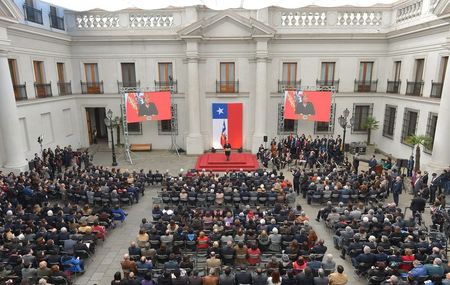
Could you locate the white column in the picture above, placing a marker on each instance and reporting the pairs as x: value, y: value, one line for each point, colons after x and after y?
x: 441, y: 155
x: 9, y: 121
x: 261, y: 95
x: 194, y: 140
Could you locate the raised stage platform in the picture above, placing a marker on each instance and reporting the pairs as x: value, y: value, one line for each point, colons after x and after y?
x: 217, y: 162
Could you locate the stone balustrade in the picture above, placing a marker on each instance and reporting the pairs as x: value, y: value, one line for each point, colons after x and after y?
x: 360, y: 18
x: 411, y: 11
x: 97, y: 21
x: 150, y: 21
x: 303, y: 19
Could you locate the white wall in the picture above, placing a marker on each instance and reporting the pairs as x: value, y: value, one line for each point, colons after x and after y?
x: 109, y: 48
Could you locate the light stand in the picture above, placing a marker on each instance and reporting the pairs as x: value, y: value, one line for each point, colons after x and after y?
x: 344, y: 123
x: 111, y: 125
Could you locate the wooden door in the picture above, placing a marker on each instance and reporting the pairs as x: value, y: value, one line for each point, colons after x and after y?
x: 39, y: 78
x: 92, y: 83
x: 89, y: 127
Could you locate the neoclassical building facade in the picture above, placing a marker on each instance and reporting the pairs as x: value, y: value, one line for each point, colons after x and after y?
x: 60, y: 71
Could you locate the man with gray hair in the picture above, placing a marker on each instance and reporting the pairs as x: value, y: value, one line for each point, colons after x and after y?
x: 321, y: 279
x: 435, y: 269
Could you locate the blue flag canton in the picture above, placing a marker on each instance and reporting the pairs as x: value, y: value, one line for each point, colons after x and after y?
x: 220, y: 111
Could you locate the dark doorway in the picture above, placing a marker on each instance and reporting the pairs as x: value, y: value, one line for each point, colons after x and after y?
x: 95, y: 120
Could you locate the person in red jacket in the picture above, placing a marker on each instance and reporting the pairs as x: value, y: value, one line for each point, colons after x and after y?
x: 202, y: 241
x: 253, y: 255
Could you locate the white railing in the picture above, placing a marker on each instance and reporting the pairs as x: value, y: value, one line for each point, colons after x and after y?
x: 97, y: 21
x: 409, y: 12
x: 150, y: 21
x: 357, y: 18
x: 303, y: 19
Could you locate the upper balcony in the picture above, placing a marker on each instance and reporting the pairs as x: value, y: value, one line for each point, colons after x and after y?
x: 171, y: 86
x: 43, y: 90
x: 92, y: 87
x: 328, y: 83
x: 32, y: 14
x: 377, y: 19
x: 414, y: 88
x: 436, y: 89
x: 393, y: 86
x: 227, y: 86
x: 288, y: 85
x: 366, y: 86
x: 56, y: 22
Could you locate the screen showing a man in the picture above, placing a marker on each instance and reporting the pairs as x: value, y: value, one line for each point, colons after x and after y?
x: 303, y: 106
x: 147, y: 108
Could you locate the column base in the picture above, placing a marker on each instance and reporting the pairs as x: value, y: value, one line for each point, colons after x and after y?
x: 16, y: 168
x: 194, y: 144
x: 257, y: 140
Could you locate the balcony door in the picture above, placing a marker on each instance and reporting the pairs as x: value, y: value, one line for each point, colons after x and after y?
x: 14, y: 76
x: 397, y: 70
x: 443, y: 68
x: 227, y: 79
x: 289, y: 75
x: 418, y: 75
x: 365, y: 76
x: 39, y: 78
x: 92, y: 81
x: 165, y: 73
x: 128, y: 74
x: 61, y: 75
x: 327, y: 73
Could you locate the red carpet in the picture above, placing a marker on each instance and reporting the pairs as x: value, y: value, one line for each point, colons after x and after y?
x: 217, y: 162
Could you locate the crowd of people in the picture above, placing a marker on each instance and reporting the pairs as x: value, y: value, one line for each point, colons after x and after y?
x: 50, y: 224
x: 302, y: 150
x: 227, y: 243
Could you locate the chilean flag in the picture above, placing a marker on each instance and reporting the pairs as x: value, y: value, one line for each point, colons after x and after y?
x: 227, y: 124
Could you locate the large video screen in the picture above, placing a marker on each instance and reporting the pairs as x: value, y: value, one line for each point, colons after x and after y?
x: 147, y: 106
x: 307, y: 105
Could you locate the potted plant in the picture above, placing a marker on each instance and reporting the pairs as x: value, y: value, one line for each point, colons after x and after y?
x: 370, y: 124
x: 417, y: 141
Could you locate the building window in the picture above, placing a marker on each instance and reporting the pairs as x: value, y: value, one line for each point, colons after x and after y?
x: 326, y: 127
x: 443, y: 68
x: 165, y: 71
x: 389, y: 121
x: 418, y: 69
x: 397, y: 70
x: 128, y: 74
x: 166, y: 81
x: 289, y: 72
x: 327, y: 73
x: 92, y: 84
x: 135, y: 128
x: 285, y: 127
x: 365, y: 71
x: 91, y: 71
x: 227, y: 82
x: 360, y: 115
x: 13, y: 71
x: 431, y: 128
x: 168, y: 127
x: 410, y: 120
x: 39, y: 75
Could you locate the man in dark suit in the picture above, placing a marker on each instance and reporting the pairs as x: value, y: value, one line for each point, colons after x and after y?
x: 303, y: 106
x: 397, y: 189
x: 147, y: 108
x: 418, y: 204
x: 242, y: 276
